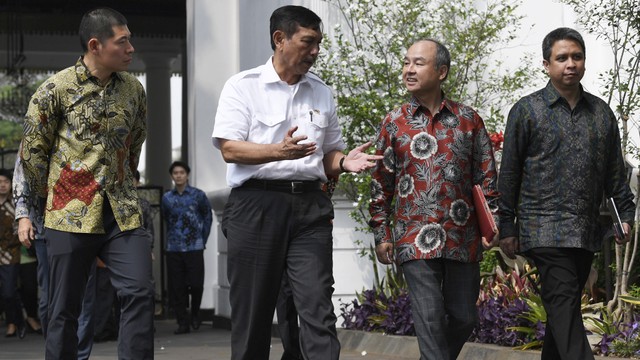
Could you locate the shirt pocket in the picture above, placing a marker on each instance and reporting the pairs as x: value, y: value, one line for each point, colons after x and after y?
x: 267, y: 128
x: 313, y: 125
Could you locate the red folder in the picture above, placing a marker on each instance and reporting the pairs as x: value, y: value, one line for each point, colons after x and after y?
x: 487, y: 224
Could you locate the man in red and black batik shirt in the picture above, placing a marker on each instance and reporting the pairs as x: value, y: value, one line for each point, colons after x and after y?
x: 435, y: 150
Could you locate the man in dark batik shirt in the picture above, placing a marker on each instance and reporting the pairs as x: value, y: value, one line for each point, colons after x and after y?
x: 561, y: 154
x: 188, y: 217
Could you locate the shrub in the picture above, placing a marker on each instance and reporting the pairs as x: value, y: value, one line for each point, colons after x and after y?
x: 373, y: 310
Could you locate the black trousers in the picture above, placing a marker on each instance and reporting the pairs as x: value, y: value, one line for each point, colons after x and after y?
x: 268, y: 232
x: 563, y: 274
x: 185, y: 273
x: 288, y: 322
x: 127, y: 255
x: 29, y: 288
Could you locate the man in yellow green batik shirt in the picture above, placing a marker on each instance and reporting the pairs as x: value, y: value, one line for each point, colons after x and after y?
x: 83, y: 134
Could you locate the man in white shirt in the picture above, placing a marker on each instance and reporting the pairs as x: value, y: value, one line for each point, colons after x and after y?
x: 276, y: 126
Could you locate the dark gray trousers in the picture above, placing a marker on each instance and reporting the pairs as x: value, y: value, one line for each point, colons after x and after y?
x: 443, y: 297
x: 288, y: 322
x: 268, y: 232
x: 128, y: 258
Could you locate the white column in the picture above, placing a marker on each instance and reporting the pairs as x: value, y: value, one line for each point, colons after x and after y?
x: 212, y: 57
x: 158, y: 146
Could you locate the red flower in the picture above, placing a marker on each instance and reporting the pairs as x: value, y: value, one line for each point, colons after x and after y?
x: 496, y: 140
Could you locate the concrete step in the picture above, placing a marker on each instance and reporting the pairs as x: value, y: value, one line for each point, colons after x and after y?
x: 369, y: 343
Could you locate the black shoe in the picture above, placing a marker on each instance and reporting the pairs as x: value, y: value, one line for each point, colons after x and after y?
x: 182, y: 329
x: 22, y: 331
x: 105, y: 335
x: 195, y: 323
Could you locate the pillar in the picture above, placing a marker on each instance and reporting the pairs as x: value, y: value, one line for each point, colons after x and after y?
x: 158, y: 145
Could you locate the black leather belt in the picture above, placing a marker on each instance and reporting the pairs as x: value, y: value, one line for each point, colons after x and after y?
x: 286, y: 186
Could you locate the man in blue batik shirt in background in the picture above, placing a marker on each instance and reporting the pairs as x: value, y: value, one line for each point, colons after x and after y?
x: 187, y: 215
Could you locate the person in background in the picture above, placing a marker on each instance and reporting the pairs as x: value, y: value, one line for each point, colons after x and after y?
x: 147, y: 215
x: 30, y: 219
x: 83, y: 133
x: 561, y: 154
x: 9, y: 260
x: 28, y: 278
x: 276, y: 126
x: 188, y: 218
x: 422, y: 212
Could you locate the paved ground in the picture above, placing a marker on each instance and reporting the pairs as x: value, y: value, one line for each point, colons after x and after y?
x: 206, y: 343
x: 211, y: 343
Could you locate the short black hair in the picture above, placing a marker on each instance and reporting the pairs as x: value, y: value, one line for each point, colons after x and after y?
x: 181, y: 164
x: 98, y: 23
x: 7, y: 173
x: 443, y: 57
x: 558, y: 34
x: 289, y: 17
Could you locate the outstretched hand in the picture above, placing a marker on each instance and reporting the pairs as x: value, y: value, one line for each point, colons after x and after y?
x: 358, y: 161
x: 292, y: 148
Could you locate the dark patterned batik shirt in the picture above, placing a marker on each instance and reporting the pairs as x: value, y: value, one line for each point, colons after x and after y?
x: 9, y: 242
x: 81, y: 146
x: 421, y: 196
x: 188, y: 218
x: 556, y: 165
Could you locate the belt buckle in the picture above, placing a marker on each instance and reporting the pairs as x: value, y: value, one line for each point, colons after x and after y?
x: 297, y: 187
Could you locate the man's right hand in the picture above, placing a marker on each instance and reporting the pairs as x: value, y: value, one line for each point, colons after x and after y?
x: 384, y: 253
x: 292, y: 148
x: 509, y: 246
x: 25, y: 231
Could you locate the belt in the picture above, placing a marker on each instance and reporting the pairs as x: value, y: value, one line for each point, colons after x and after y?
x: 285, y: 186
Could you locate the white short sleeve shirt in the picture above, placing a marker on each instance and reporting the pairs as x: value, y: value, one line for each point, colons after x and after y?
x: 256, y: 106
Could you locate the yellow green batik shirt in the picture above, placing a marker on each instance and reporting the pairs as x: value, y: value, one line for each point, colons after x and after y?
x: 81, y: 145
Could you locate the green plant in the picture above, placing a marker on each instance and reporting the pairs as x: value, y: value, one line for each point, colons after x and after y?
x: 489, y: 262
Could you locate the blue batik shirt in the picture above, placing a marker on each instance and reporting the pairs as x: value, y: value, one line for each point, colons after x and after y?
x: 188, y: 218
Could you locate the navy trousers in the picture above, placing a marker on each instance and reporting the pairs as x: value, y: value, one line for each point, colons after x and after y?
x: 71, y: 257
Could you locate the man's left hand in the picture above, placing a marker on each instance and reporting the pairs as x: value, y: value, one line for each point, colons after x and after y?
x: 358, y: 161
x: 627, y: 234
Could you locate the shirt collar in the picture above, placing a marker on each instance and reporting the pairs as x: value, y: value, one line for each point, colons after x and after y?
x: 187, y: 189
x: 84, y: 75
x: 552, y: 96
x: 269, y: 74
x: 414, y: 105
